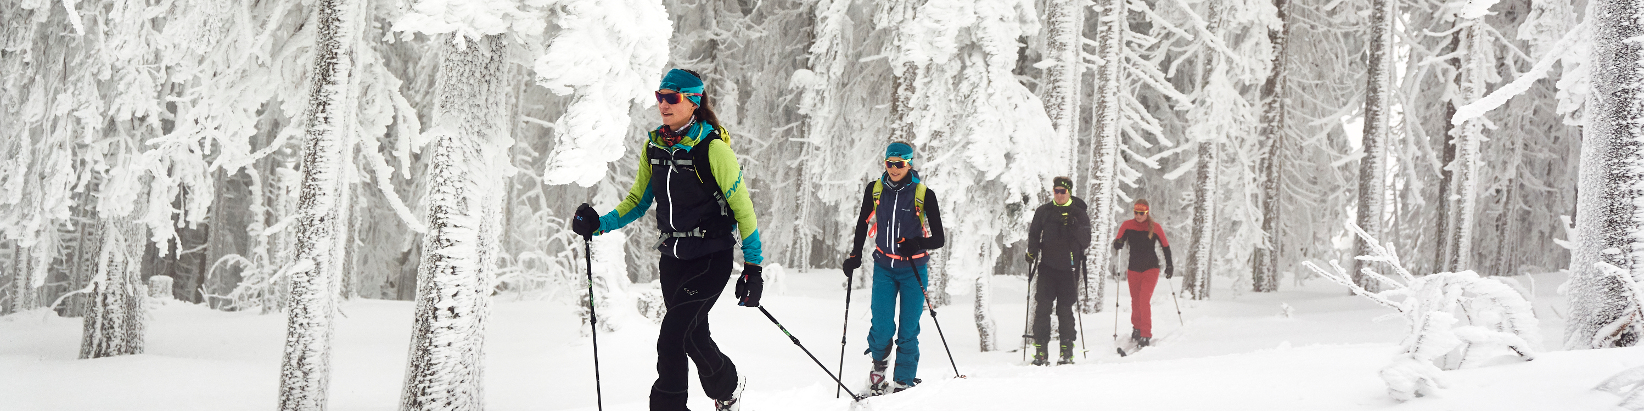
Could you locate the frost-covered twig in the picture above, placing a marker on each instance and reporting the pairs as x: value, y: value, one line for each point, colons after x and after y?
x: 1519, y: 85
x: 1381, y: 253
x: 1342, y: 278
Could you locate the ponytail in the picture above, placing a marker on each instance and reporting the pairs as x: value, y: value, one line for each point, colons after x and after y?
x: 705, y: 111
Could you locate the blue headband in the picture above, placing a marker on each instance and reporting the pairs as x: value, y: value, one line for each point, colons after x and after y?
x: 899, y: 150
x: 682, y: 81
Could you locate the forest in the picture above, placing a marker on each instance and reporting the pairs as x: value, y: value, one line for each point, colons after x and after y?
x: 282, y: 156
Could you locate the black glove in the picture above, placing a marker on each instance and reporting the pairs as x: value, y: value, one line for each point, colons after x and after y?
x: 1170, y: 271
x: 1118, y: 244
x: 851, y: 264
x: 586, y: 221
x: 907, y: 247
x: 750, y: 285
x: 1029, y: 257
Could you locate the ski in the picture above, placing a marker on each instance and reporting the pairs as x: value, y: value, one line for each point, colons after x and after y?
x: 1126, y: 346
x: 892, y: 388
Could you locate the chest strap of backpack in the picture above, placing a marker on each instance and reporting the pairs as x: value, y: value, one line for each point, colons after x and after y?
x: 695, y: 232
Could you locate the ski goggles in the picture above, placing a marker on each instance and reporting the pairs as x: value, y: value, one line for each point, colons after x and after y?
x: 673, y: 98
x: 896, y: 163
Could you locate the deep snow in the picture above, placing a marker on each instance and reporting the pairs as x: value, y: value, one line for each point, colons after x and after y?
x: 1236, y: 352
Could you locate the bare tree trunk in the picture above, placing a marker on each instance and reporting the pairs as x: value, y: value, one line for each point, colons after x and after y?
x: 1604, y: 304
x: 1446, y: 218
x: 936, y: 268
x: 23, y: 291
x: 1274, y: 131
x: 456, y: 277
x: 985, y: 329
x: 1196, y: 284
x: 305, y: 374
x: 1373, y: 165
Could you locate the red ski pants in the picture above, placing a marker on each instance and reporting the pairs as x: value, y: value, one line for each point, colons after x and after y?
x: 1141, y: 299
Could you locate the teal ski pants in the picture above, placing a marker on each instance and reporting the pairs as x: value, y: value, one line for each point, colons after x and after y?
x: 889, y: 284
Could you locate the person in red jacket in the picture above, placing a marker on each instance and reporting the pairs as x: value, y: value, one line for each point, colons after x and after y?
x: 1141, y: 233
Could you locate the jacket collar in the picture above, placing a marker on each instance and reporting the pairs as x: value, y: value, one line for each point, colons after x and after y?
x: 694, y: 133
x: 913, y: 178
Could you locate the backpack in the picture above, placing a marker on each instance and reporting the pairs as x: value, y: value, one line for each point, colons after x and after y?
x: 918, y: 207
x: 700, y: 163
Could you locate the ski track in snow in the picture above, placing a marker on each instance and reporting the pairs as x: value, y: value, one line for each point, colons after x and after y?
x: 1236, y: 352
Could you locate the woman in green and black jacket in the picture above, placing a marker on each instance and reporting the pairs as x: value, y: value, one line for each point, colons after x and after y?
x: 703, y: 211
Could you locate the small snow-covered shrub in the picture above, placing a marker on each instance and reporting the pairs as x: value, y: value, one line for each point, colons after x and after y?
x: 1456, y: 320
x: 1629, y: 385
x: 610, y: 272
x: 651, y: 305
x: 776, y: 279
x: 159, y: 287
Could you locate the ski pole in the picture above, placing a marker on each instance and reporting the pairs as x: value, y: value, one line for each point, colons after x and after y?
x: 808, y: 353
x: 1027, y: 315
x: 593, y: 319
x: 1173, y: 301
x: 1084, y: 350
x: 1110, y: 266
x: 932, y: 308
x: 850, y: 281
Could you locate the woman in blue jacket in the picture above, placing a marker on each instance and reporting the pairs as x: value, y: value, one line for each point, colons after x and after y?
x: 903, y: 216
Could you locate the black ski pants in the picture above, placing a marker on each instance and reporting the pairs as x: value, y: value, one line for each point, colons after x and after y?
x: 689, y: 288
x: 1062, y: 288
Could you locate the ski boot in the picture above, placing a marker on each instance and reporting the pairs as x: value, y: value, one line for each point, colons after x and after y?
x: 1141, y: 341
x: 903, y: 387
x: 1040, y: 357
x: 735, y: 402
x: 1067, y: 354
x: 877, y: 384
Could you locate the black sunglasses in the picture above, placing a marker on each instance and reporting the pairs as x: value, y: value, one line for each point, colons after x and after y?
x: 672, y: 98
x: 1060, y: 190
x: 896, y: 163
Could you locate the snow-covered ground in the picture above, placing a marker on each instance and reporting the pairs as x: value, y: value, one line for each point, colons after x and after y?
x: 1235, y: 352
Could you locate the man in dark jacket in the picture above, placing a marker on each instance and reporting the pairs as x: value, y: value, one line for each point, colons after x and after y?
x: 1058, y: 237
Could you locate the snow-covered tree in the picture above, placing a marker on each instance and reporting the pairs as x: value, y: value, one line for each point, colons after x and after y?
x: 1233, y: 55
x: 305, y: 367
x: 456, y: 276
x: 970, y: 50
x: 1476, y: 70
x: 1372, y: 177
x: 1274, y: 99
x: 470, y: 141
x: 1063, y: 66
x: 114, y: 319
x: 1605, y: 270
x: 825, y: 72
